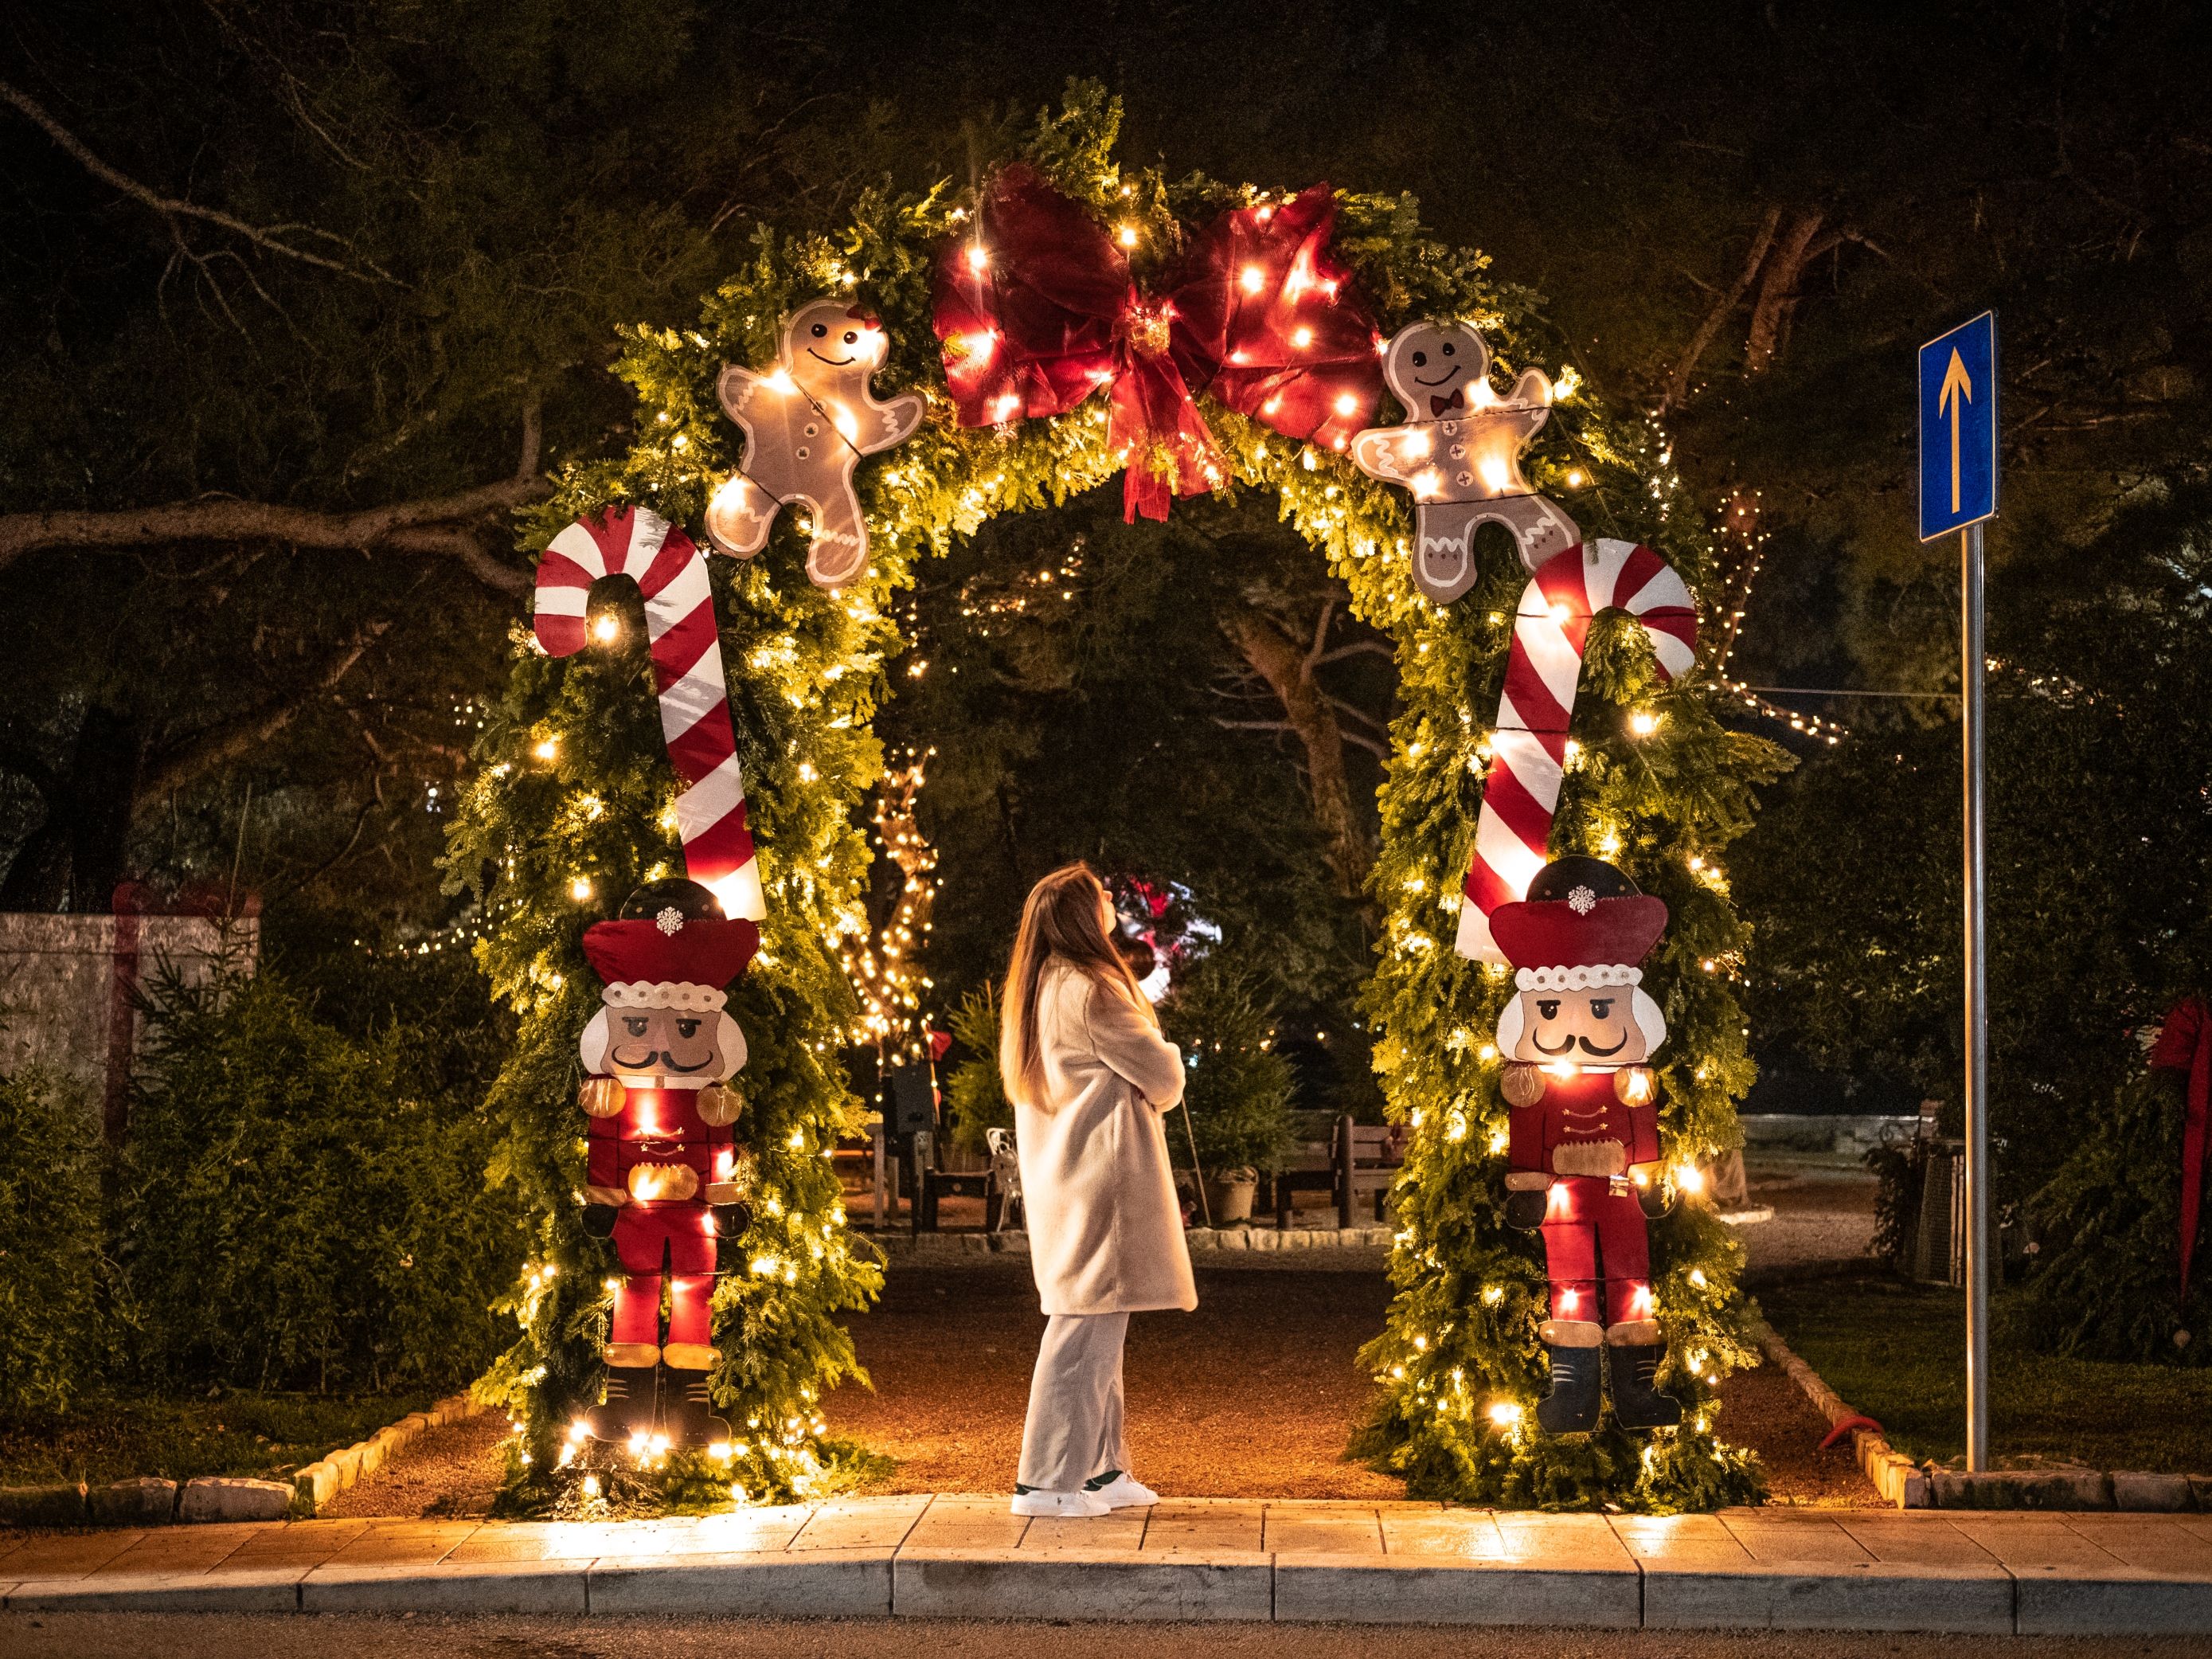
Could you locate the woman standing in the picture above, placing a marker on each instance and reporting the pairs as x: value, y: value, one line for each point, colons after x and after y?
x: 1090, y: 1075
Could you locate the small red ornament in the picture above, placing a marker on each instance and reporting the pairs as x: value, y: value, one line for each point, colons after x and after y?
x: 1038, y: 311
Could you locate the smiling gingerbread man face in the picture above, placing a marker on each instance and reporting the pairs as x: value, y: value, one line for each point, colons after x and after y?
x: 832, y: 346
x: 1435, y: 366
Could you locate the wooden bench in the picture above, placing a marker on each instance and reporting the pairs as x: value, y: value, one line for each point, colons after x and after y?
x: 1356, y: 1158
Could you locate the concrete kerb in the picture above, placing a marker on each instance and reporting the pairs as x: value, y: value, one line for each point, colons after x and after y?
x: 1887, y: 1595
x: 1362, y: 1590
x: 315, y: 1483
x: 1127, y: 1585
x: 1102, y: 1584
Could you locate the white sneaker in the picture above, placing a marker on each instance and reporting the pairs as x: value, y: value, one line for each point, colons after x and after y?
x: 1124, y: 1491
x: 1059, y: 1503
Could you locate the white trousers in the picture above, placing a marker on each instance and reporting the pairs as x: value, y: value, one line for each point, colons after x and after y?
x: 1073, y: 1431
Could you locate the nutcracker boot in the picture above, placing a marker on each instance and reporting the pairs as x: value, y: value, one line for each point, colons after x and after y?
x: 691, y: 1420
x: 1571, y: 1407
x: 1636, y: 1401
x: 688, y: 1354
x: 631, y: 1406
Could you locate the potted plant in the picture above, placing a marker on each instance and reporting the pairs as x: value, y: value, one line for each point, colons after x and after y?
x: 1238, y: 1089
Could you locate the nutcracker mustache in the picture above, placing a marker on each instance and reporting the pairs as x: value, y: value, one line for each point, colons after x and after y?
x: 658, y: 1061
x: 1587, y: 1047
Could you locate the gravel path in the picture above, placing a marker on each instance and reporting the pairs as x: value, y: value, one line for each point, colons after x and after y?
x: 1252, y: 1396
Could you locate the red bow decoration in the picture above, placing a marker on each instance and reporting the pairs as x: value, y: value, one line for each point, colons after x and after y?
x: 1038, y: 311
x: 2184, y: 1044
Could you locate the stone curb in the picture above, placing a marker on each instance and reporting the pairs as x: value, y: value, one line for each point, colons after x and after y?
x: 149, y: 1502
x: 1911, y: 1486
x: 1895, y: 1476
x: 315, y: 1483
x: 1122, y: 1585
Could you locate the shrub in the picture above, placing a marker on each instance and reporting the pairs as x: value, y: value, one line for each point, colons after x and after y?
x: 2108, y: 1280
x: 306, y: 1206
x: 1237, y: 1088
x: 51, y: 1264
x: 975, y: 1096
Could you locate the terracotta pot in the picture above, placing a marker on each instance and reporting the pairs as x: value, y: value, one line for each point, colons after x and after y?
x: 1229, y: 1196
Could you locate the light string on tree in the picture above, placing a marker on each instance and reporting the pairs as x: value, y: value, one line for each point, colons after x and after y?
x: 885, y: 970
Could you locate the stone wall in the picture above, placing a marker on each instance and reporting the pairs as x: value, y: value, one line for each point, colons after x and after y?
x: 71, y: 985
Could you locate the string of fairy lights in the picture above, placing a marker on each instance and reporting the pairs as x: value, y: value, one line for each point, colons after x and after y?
x: 1739, y: 524
x: 884, y: 967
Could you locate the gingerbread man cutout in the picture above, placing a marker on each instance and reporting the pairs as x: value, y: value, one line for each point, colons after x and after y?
x: 806, y: 423
x: 1460, y: 453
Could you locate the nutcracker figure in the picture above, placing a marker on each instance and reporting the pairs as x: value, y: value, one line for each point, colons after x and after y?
x: 1584, y: 1131
x: 665, y: 1177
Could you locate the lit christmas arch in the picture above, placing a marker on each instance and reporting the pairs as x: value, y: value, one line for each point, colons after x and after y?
x: 573, y: 804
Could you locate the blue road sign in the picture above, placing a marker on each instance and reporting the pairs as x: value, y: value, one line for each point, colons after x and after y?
x: 1959, y: 428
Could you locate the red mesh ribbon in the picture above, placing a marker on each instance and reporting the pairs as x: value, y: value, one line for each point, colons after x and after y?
x: 1038, y: 311
x: 2185, y: 1045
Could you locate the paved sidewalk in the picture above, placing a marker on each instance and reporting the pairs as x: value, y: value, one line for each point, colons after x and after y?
x: 966, y: 1557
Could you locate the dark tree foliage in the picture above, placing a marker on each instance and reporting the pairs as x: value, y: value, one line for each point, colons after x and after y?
x: 2107, y: 1282
x: 2100, y: 848
x: 53, y: 1266
x: 304, y: 1208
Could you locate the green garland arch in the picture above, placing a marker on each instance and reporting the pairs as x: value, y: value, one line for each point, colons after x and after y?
x: 573, y: 787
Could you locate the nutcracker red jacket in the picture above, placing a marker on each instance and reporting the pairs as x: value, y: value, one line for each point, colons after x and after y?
x: 1580, y: 1111
x: 656, y: 1149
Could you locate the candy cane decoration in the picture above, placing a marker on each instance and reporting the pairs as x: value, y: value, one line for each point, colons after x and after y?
x: 687, y: 665
x: 1512, y: 837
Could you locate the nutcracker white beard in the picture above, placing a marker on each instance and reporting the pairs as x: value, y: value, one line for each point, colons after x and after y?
x: 1644, y: 1014
x: 598, y: 1048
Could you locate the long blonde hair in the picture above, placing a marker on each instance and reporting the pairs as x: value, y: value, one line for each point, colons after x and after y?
x: 1060, y: 919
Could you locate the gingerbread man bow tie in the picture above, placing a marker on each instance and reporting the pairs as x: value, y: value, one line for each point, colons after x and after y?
x: 1437, y: 405
x: 1038, y: 311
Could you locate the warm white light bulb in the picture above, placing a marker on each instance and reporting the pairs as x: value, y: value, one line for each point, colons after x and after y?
x: 1254, y: 279
x: 605, y: 628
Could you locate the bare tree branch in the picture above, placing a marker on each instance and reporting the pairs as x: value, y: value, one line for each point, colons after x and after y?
x: 433, y: 525
x: 1678, y: 383
x: 170, y: 207
x: 233, y: 740
x: 1358, y: 647
x: 1778, y: 290
x: 1276, y: 657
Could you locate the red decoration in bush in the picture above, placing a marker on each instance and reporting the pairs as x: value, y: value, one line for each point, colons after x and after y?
x: 1038, y: 310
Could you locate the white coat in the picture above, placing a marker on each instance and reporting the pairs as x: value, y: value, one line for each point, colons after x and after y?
x: 1105, y: 1227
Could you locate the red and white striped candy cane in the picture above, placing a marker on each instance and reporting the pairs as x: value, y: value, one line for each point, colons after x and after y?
x: 1512, y: 837
x: 687, y: 665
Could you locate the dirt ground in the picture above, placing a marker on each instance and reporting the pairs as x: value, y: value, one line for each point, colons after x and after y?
x: 1252, y: 1396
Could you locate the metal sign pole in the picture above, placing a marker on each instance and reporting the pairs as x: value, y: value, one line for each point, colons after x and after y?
x: 1972, y: 698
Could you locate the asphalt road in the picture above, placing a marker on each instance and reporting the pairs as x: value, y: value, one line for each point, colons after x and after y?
x: 212, y: 1635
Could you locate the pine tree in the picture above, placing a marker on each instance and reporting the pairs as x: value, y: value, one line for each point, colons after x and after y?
x: 1459, y: 1363
x: 2107, y: 1281
x: 571, y: 808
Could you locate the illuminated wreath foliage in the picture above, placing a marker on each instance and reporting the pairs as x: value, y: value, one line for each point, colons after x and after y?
x: 573, y: 797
